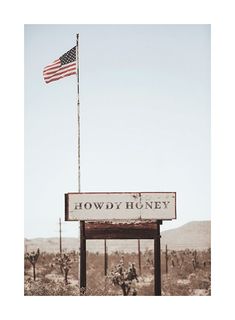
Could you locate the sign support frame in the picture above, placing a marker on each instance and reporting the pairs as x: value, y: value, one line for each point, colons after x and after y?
x: 157, y: 254
x: 157, y: 261
x: 82, y: 258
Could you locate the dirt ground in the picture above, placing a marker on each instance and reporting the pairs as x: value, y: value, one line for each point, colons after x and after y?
x: 189, y: 274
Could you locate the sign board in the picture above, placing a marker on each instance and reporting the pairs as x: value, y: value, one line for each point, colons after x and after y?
x: 120, y: 206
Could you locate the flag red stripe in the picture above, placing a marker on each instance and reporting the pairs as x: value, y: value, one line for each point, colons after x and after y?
x: 60, y: 72
x: 52, y: 68
x: 59, y: 68
x: 52, y: 65
x: 60, y: 77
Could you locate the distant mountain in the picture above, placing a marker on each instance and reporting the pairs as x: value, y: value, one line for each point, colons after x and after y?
x: 193, y: 235
x: 51, y: 245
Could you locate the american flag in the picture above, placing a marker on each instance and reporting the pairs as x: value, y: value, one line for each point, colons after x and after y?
x: 63, y: 67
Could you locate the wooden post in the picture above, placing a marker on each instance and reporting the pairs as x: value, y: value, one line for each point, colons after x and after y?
x: 34, y: 272
x: 61, y: 268
x: 166, y: 259
x: 157, y: 261
x: 82, y: 258
x: 105, y: 258
x: 139, y: 256
x: 60, y: 238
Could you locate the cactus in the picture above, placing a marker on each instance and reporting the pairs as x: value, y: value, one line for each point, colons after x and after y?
x: 65, y: 265
x: 123, y: 278
x: 33, y: 258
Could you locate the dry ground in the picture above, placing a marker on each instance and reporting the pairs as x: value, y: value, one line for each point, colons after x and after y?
x: 185, y: 277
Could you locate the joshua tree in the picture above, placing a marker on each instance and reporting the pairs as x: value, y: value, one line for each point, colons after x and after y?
x: 195, y: 260
x: 123, y: 278
x: 33, y: 258
x: 65, y: 265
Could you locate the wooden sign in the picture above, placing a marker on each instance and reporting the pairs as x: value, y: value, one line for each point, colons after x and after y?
x: 120, y: 206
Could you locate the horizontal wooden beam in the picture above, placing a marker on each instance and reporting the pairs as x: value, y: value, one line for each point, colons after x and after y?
x: 109, y: 230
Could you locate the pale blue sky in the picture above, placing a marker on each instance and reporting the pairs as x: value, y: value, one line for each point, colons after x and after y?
x: 145, y: 118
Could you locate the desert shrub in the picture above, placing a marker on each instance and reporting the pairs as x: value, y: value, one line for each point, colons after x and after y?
x: 50, y: 280
x: 48, y: 287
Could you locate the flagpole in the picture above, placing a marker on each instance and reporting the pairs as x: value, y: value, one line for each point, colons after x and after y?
x: 78, y: 112
x: 82, y: 264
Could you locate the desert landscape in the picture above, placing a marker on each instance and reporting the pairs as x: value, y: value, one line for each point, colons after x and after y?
x: 185, y: 265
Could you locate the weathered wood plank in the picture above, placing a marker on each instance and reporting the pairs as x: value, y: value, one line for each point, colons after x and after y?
x: 86, y: 206
x: 110, y: 230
